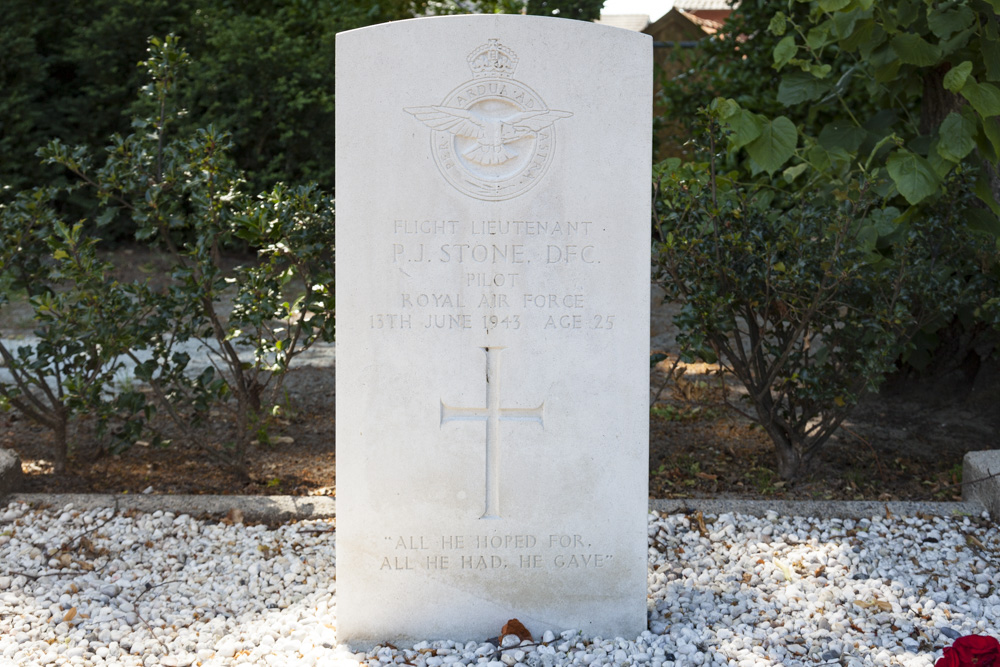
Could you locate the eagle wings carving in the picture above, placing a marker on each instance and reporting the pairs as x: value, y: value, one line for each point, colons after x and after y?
x: 492, y: 135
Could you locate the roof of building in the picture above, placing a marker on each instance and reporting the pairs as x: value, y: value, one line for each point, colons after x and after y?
x: 708, y: 25
x: 701, y: 5
x: 636, y: 22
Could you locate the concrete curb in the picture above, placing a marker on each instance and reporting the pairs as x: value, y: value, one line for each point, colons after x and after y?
x: 840, y: 509
x: 10, y: 472
x: 268, y: 509
x: 274, y: 509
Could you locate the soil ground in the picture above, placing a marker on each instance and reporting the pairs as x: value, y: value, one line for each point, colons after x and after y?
x: 906, y: 443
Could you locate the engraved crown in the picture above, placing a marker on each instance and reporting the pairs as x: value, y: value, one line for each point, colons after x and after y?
x: 492, y: 59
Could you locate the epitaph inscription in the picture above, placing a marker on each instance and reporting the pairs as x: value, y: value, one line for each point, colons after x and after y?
x: 493, y: 137
x: 492, y: 414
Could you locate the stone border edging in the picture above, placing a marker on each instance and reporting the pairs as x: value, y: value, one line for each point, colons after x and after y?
x: 820, y: 509
x: 253, y: 508
x: 285, y: 508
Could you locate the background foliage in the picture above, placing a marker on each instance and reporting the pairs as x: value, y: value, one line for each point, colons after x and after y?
x: 262, y: 70
x: 887, y: 110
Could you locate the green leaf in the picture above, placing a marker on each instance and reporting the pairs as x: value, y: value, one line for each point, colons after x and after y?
x: 885, y: 63
x: 957, y: 75
x: 982, y: 220
x: 778, y: 24
x: 793, y: 172
x: 819, y: 71
x: 784, y: 51
x: 797, y: 87
x: 833, y: 5
x: 984, y: 97
x: 885, y: 220
x: 775, y: 144
x: 724, y: 108
x: 868, y: 237
x: 984, y: 191
x: 60, y: 254
x: 941, y: 166
x: 950, y: 46
x: 819, y: 36
x: 746, y: 127
x: 841, y: 134
x: 995, y: 4
x: 991, y: 58
x: 958, y: 137
x: 844, y: 22
x: 106, y: 216
x: 945, y: 24
x: 991, y: 131
x: 907, y: 11
x: 915, y: 50
x: 866, y: 36
x: 913, y: 175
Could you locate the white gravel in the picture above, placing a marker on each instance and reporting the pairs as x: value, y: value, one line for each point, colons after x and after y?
x: 95, y: 587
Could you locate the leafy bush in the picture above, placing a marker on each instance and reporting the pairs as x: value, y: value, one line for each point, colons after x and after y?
x: 264, y: 70
x: 82, y: 318
x: 185, y: 196
x: 865, y: 128
x: 808, y: 302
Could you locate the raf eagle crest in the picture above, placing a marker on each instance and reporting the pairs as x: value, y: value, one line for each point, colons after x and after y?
x: 491, y: 134
x: 492, y: 138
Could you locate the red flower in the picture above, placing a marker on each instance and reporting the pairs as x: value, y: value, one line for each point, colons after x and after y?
x: 971, y: 651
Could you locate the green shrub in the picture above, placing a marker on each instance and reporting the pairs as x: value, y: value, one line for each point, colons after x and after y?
x: 185, y: 196
x: 82, y: 324
x: 809, y: 301
x: 263, y: 70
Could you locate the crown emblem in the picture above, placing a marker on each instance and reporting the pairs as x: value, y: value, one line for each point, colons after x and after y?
x: 492, y: 59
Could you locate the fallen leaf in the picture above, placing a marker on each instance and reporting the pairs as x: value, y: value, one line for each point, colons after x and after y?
x: 700, y: 518
x: 70, y: 615
x: 516, y: 628
x: 705, y: 475
x: 234, y: 516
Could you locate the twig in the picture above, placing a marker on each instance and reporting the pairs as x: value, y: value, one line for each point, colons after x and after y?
x: 135, y: 603
x: 975, y: 481
x: 666, y: 379
x: 68, y: 545
x: 878, y: 462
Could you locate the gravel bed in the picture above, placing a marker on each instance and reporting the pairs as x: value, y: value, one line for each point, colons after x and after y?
x: 100, y: 587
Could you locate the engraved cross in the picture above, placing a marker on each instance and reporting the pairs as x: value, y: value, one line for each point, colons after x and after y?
x: 492, y: 414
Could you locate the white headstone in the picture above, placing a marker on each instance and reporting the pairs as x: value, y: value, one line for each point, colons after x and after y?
x: 493, y: 188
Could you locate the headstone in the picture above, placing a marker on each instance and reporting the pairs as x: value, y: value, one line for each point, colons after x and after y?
x: 493, y: 188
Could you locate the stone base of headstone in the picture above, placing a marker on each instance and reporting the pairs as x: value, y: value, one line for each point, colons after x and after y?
x: 981, y: 480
